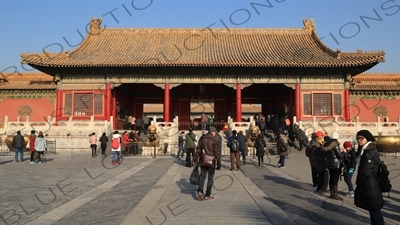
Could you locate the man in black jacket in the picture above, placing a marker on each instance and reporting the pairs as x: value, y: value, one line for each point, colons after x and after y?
x: 243, y: 150
x: 18, y: 143
x: 209, y: 144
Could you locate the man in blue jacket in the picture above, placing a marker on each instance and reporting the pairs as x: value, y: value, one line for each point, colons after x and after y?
x: 235, y: 145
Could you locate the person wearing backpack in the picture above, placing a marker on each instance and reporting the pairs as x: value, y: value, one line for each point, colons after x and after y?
x: 368, y: 194
x: 235, y: 144
x: 260, y: 145
x: 116, y: 148
x: 349, y: 159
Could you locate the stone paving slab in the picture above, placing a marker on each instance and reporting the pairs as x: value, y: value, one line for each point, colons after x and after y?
x: 74, y: 188
x: 28, y: 191
x: 176, y: 202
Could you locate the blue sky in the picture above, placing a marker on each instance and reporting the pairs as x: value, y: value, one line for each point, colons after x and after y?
x: 31, y: 26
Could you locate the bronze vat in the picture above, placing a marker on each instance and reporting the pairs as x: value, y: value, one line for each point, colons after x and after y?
x: 387, y: 144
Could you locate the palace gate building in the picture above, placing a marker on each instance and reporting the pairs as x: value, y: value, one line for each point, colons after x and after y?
x: 119, y: 69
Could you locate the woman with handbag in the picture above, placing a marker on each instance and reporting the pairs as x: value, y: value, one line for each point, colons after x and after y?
x: 282, y: 150
x: 260, y: 146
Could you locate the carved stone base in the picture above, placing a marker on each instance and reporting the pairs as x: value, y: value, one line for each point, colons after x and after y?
x: 149, y: 151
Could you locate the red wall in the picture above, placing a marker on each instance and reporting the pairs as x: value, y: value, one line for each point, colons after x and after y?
x: 364, y: 109
x: 40, y: 108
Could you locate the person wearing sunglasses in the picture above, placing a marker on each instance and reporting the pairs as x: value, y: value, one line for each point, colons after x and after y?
x: 368, y: 195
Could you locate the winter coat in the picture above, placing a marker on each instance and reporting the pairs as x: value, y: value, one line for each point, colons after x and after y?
x: 260, y: 146
x: 349, y: 159
x: 125, y: 140
x: 209, y: 144
x: 333, y: 156
x: 18, y: 141
x: 103, y: 140
x: 218, y: 138
x: 229, y: 144
x: 243, y: 139
x: 120, y: 141
x: 40, y: 144
x: 318, y: 153
x: 368, y: 195
x: 279, y: 143
x: 309, y: 155
x: 190, y: 140
x: 32, y: 139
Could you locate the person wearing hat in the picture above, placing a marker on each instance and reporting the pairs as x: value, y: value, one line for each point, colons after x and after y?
x: 368, y: 195
x: 209, y: 145
x: 333, y: 160
x: 40, y: 145
x: 349, y: 159
x: 318, y: 156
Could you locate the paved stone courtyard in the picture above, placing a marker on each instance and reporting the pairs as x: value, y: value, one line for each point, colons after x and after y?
x: 74, y: 188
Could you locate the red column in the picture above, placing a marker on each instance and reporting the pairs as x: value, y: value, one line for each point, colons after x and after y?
x: 108, y: 99
x: 238, y: 103
x: 166, y: 103
x: 59, y: 109
x: 114, y: 111
x: 347, y: 105
x: 297, y: 101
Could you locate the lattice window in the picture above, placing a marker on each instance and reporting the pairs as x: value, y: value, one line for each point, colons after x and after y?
x: 83, y: 104
x: 337, y: 104
x: 307, y: 104
x: 322, y: 104
x: 68, y: 104
x: 98, y: 104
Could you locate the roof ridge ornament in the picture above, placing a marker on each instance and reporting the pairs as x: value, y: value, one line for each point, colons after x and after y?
x: 338, y: 52
x: 95, y: 27
x: 309, y: 25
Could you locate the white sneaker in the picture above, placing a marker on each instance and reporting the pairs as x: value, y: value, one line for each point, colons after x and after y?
x: 315, y: 189
x: 350, y: 194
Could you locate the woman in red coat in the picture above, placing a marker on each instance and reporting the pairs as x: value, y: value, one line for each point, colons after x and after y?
x: 32, y: 139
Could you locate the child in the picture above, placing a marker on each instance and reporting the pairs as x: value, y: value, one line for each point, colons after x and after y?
x: 349, y: 157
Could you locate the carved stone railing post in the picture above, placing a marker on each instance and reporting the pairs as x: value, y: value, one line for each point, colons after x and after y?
x: 6, y: 123
x: 357, y: 124
x: 91, y: 123
x: 378, y: 124
x: 27, y: 124
x: 70, y: 124
x: 314, y: 123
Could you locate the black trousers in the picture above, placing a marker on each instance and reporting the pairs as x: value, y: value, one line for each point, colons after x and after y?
x: 204, y: 171
x: 189, y: 156
x: 260, y: 159
x: 314, y: 176
x: 334, y: 177
x: 103, y: 149
x: 323, y: 178
x: 94, y: 148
